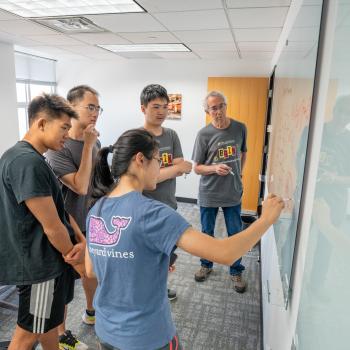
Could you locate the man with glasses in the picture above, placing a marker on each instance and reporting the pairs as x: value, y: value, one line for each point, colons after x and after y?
x: 154, y: 105
x: 73, y: 166
x: 219, y: 155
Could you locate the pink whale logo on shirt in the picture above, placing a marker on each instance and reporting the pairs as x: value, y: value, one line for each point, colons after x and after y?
x: 99, y: 233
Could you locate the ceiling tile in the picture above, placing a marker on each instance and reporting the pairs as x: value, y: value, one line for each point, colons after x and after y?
x: 7, y: 16
x: 214, y: 55
x: 84, y: 49
x: 262, y: 55
x: 257, y: 45
x: 24, y: 27
x: 100, y: 38
x: 199, y: 36
x: 179, y: 5
x: 308, y: 16
x: 177, y: 55
x: 258, y: 34
x: 150, y: 37
x: 193, y: 20
x: 228, y: 46
x: 256, y: 3
x: 57, y: 40
x: 127, y: 22
x: 258, y: 17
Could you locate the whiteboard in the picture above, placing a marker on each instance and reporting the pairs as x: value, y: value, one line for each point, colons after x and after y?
x: 290, y: 119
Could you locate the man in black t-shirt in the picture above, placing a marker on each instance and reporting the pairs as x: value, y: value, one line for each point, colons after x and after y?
x: 37, y: 237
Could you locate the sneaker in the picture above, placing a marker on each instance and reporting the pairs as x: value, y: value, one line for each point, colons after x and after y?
x: 202, y: 274
x: 239, y: 284
x: 171, y: 294
x: 89, y: 317
x: 68, y: 341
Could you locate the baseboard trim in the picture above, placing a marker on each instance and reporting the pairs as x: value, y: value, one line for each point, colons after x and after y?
x: 186, y: 200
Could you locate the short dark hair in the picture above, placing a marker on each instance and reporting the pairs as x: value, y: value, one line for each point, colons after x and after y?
x: 52, y: 105
x: 151, y: 92
x: 77, y: 93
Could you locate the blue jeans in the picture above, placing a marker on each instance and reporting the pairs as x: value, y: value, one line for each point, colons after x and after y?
x: 233, y: 223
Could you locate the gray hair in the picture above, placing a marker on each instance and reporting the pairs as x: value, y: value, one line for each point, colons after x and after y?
x: 213, y: 93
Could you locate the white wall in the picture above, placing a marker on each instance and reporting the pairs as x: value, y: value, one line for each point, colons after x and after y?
x: 8, y: 101
x: 120, y: 83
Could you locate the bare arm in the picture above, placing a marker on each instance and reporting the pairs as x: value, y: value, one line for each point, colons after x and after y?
x: 79, y: 181
x: 44, y: 210
x: 219, y: 169
x: 226, y: 251
x: 179, y: 168
x: 88, y: 265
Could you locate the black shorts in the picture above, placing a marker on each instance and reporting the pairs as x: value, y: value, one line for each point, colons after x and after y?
x: 41, y: 305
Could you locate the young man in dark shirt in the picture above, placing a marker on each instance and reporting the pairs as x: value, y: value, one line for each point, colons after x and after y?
x: 39, y: 246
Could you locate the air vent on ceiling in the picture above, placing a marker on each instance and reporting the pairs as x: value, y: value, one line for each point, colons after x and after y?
x: 70, y: 25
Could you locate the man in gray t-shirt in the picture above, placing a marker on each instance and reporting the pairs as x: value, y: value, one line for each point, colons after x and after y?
x: 154, y: 105
x: 73, y: 166
x: 169, y: 151
x: 219, y: 154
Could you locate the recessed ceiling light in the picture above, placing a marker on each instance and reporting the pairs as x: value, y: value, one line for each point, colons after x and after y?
x: 147, y: 48
x: 54, y: 8
x: 70, y: 25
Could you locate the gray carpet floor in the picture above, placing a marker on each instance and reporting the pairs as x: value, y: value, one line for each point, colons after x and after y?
x: 208, y: 315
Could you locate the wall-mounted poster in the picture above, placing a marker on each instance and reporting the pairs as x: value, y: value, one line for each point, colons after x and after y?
x: 174, y: 107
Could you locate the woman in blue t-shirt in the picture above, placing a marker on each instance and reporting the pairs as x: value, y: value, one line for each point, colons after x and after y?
x: 130, y: 238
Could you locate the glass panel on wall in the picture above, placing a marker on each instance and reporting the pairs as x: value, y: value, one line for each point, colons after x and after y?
x: 21, y: 92
x: 22, y: 121
x: 37, y: 89
x: 34, y: 75
x: 324, y: 311
x: 292, y: 100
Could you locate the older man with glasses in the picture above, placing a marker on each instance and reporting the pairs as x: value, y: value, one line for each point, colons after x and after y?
x: 73, y: 166
x: 219, y: 155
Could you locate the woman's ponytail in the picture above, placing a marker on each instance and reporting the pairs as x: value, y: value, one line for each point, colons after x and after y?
x: 102, y: 179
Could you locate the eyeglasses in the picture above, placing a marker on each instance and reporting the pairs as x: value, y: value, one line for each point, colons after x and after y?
x: 219, y: 107
x: 158, y: 160
x: 92, y: 108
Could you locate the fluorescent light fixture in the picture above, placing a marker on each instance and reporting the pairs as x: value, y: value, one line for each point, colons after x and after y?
x: 147, y: 48
x: 56, y: 8
x: 70, y: 25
